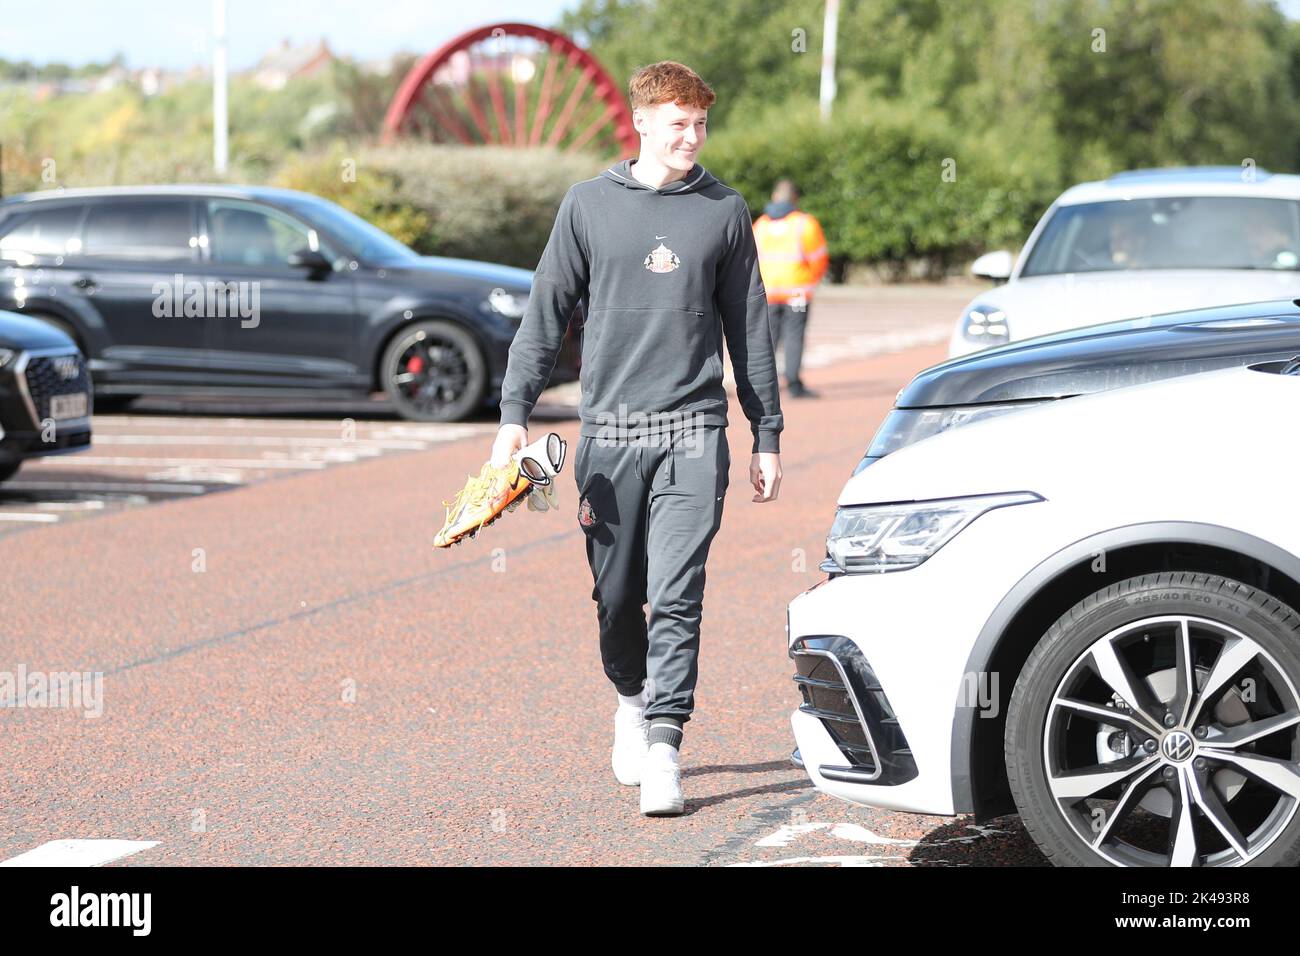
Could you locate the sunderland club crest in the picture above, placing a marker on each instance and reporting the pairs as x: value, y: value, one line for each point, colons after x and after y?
x: 662, y: 259
x: 586, y: 514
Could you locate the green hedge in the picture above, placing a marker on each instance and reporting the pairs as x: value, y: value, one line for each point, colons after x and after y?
x: 489, y: 203
x: 875, y: 178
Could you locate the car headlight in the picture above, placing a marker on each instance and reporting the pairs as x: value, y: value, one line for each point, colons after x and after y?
x: 907, y: 426
x: 875, y: 538
x: 985, y: 325
x: 5, y: 356
x: 509, y: 304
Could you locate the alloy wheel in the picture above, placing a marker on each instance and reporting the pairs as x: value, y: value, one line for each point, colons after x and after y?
x: 1175, y: 740
x: 429, y: 373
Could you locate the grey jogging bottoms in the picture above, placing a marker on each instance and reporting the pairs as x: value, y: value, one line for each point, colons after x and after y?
x: 650, y: 511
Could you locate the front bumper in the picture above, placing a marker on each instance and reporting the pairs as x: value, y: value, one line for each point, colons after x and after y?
x: 903, y: 642
x: 880, y: 738
x: 28, y: 387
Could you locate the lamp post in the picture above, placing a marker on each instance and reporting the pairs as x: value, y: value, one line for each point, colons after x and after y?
x: 220, y: 148
x: 829, y: 28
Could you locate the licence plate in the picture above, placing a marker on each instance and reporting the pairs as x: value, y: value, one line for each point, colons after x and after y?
x: 67, y: 406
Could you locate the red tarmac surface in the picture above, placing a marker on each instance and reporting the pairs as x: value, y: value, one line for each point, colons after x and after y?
x: 480, y: 726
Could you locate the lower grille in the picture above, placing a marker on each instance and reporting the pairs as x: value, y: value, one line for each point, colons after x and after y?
x: 826, y: 697
x: 840, y: 689
x: 49, y: 375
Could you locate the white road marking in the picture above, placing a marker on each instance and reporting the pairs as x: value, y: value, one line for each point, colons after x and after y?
x: 109, y: 487
x: 79, y: 852
x: 213, y: 476
x: 423, y: 431
x: 787, y: 833
x: 432, y: 432
x: 280, y: 444
x: 171, y: 421
x: 182, y: 462
x: 837, y: 860
x: 94, y: 504
x: 261, y: 441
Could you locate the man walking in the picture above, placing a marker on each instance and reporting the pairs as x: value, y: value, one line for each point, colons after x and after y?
x: 793, y: 257
x: 664, y: 255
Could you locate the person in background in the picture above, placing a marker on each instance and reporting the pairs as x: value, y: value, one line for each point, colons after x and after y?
x: 1128, y: 242
x: 1270, y: 242
x: 792, y: 258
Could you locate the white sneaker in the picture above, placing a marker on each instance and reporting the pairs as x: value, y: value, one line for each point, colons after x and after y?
x: 630, y: 744
x: 661, y: 785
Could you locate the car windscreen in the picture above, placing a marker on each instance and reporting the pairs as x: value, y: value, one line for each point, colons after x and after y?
x: 367, y: 242
x: 1185, y: 232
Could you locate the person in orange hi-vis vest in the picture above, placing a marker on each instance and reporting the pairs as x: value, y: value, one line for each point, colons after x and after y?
x: 792, y: 258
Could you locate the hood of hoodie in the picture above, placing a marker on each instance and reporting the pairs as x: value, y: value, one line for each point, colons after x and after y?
x: 778, y: 210
x: 695, y: 180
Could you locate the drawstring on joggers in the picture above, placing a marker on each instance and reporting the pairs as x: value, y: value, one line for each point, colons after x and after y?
x: 672, y: 458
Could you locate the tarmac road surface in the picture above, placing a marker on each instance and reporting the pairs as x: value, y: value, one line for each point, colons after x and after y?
x: 289, y: 673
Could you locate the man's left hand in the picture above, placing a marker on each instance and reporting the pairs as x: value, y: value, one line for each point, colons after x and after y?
x: 765, y: 475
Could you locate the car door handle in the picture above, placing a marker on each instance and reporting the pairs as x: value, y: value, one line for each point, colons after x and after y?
x: 85, y: 282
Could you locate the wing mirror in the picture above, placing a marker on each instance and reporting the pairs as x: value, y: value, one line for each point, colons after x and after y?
x: 311, y: 260
x: 994, y: 265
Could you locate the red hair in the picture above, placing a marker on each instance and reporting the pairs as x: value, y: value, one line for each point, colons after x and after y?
x: 669, y: 82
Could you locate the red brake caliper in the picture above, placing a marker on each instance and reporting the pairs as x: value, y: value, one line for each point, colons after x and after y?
x: 415, y: 365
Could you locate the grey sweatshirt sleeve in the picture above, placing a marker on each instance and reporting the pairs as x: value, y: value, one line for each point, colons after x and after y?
x: 742, y: 303
x: 559, y: 284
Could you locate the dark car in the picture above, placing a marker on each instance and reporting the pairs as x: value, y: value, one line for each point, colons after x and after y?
x: 260, y: 292
x: 1081, y: 361
x: 45, y: 393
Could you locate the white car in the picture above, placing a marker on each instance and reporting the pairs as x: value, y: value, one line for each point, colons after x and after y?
x: 1084, y: 612
x: 1138, y: 244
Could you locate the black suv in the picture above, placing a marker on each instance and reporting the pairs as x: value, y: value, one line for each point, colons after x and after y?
x: 45, y: 393
x: 260, y: 292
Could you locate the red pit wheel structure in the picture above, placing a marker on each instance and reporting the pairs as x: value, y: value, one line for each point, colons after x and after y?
x: 512, y: 84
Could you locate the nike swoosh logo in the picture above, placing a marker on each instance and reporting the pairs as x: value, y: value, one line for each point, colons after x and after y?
x: 661, y: 237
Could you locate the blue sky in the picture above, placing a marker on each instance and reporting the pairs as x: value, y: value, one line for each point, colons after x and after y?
x: 175, y: 33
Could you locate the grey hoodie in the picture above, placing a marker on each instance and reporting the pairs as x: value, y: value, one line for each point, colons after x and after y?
x: 666, y: 273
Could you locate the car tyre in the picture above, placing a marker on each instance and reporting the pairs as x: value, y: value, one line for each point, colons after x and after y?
x: 1207, y: 661
x: 434, y: 371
